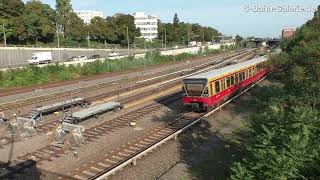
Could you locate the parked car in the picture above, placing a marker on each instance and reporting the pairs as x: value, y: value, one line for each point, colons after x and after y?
x: 113, y: 54
x: 96, y: 56
x: 77, y: 58
x: 73, y: 58
x: 193, y: 43
x: 40, y: 58
x: 82, y: 58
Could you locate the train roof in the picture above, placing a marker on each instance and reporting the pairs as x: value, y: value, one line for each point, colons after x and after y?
x: 228, y: 69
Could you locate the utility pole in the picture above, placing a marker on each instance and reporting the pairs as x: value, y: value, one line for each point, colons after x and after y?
x: 188, y: 36
x: 57, y: 32
x: 162, y: 42
x: 4, y: 35
x: 88, y: 39
x: 128, y: 40
x: 165, y: 37
x: 202, y: 37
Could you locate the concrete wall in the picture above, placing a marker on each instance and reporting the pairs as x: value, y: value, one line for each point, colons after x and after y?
x: 192, y: 50
x: 15, y: 56
x: 19, y: 56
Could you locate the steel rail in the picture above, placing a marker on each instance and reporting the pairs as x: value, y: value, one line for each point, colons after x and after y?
x: 133, y: 159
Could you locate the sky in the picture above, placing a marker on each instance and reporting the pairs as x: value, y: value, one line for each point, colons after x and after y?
x: 231, y: 17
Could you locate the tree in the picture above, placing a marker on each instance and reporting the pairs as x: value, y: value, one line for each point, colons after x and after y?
x: 283, y: 141
x: 63, y: 9
x: 239, y: 39
x: 98, y: 29
x: 7, y: 28
x: 11, y: 8
x: 36, y: 23
x: 176, y: 20
x: 75, y: 27
x: 182, y: 32
x: 118, y: 25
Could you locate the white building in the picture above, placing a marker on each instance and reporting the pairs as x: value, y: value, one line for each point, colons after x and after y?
x: 87, y: 15
x: 148, y: 25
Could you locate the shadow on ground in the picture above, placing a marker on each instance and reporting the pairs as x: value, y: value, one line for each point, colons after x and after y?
x: 210, y: 148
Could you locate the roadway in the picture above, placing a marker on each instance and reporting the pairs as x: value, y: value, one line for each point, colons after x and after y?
x: 14, y: 57
x: 11, y: 57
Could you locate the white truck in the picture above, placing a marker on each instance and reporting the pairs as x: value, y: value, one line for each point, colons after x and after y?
x: 193, y: 43
x: 40, y: 58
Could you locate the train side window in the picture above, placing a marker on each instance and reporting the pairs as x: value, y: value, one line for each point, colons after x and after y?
x: 232, y: 80
x: 249, y: 72
x: 217, y: 85
x: 237, y: 78
x: 222, y: 84
x: 211, y: 89
x: 228, y: 82
x: 243, y: 75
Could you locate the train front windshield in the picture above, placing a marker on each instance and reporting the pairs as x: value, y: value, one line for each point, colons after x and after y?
x: 194, y: 87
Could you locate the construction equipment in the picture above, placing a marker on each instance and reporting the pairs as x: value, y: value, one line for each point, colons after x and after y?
x: 76, y: 117
x: 36, y: 114
x: 2, y: 118
x: 22, y: 128
x: 68, y: 135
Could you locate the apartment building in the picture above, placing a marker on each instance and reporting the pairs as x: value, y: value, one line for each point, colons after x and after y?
x: 87, y: 15
x: 148, y: 25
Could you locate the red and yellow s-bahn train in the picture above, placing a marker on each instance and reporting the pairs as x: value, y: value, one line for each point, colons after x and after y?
x: 214, y: 87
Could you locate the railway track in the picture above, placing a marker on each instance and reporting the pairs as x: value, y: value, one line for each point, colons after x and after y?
x: 49, y: 152
x: 75, y: 92
x: 46, y: 127
x: 131, y: 151
x: 114, y: 159
x: 50, y: 126
x: 75, y: 81
x: 92, y: 134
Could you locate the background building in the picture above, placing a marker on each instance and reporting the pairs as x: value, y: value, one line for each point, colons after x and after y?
x: 148, y: 25
x: 288, y: 33
x: 87, y: 15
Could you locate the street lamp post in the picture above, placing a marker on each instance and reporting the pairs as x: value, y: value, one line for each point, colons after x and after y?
x: 188, y: 36
x: 4, y: 35
x: 165, y: 37
x: 202, y: 37
x: 117, y: 85
x: 88, y: 39
x: 128, y: 40
x: 57, y: 32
